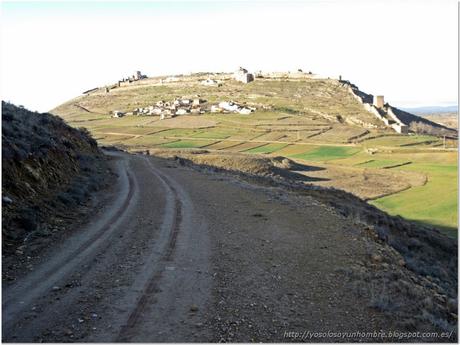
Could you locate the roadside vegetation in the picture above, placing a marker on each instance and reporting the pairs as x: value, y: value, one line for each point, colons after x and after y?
x: 49, y: 171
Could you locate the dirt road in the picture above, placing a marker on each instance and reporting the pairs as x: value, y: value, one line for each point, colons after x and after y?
x: 179, y: 256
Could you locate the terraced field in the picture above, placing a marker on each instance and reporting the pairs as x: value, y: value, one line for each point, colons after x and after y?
x: 327, y: 153
x: 398, y: 140
x: 180, y: 144
x: 433, y: 203
x: 382, y: 163
x: 268, y: 148
x: 310, y: 121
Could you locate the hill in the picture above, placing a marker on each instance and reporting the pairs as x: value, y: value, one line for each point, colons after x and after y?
x: 48, y: 171
x: 309, y: 108
x: 329, y: 124
x: 448, y: 119
x: 213, y: 191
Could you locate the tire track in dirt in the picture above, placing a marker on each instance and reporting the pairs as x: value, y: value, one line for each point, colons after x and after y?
x: 169, y: 231
x: 23, y: 294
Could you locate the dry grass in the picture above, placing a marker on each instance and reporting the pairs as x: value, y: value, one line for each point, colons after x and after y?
x: 446, y: 119
x: 189, y: 121
x: 315, y: 117
x: 255, y: 165
x: 366, y: 183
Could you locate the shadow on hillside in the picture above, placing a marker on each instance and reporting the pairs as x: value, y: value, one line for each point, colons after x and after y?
x: 446, y: 230
x: 297, y: 171
x: 302, y: 177
x: 283, y: 162
x: 301, y: 167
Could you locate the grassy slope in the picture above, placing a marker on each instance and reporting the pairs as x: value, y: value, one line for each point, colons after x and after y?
x: 294, y: 127
x: 435, y: 203
x: 268, y: 148
x: 327, y: 153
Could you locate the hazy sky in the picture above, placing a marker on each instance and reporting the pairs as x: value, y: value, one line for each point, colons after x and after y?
x: 405, y: 50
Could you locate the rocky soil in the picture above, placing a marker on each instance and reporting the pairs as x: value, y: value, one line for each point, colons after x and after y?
x: 408, y: 271
x: 49, y: 171
x: 184, y: 252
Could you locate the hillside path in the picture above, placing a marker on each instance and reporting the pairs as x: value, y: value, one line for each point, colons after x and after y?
x: 180, y: 255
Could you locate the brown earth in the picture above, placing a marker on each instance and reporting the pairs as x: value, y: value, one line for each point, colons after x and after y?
x: 184, y: 122
x: 367, y: 183
x: 49, y: 171
x: 446, y: 119
x: 184, y: 252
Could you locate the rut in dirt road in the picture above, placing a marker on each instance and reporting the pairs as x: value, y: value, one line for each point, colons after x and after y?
x: 21, y: 295
x: 94, y: 246
x: 171, y: 225
x: 182, y: 255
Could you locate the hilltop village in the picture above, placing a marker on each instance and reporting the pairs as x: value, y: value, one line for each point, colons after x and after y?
x: 185, y: 106
x: 389, y: 116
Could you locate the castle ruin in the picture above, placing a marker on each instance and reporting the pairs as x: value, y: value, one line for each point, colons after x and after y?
x: 376, y: 105
x: 378, y: 101
x: 243, y: 76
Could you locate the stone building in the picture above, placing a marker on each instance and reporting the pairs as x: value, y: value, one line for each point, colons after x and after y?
x: 378, y: 101
x: 243, y: 76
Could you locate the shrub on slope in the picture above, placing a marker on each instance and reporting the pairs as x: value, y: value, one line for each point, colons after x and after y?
x: 48, y: 168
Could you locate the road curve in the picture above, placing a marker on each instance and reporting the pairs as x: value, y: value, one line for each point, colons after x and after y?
x: 40, y: 300
x: 19, y: 296
x: 178, y: 255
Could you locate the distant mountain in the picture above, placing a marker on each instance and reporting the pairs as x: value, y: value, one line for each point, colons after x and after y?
x: 432, y: 109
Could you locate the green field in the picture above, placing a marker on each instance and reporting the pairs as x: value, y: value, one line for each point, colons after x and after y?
x: 385, y: 163
x: 327, y: 153
x: 294, y: 119
x: 401, y: 141
x: 269, y: 148
x: 215, y: 133
x: 186, y: 144
x: 434, y: 204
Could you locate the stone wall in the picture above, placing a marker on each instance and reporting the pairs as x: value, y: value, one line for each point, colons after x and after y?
x: 289, y: 75
x: 384, y: 114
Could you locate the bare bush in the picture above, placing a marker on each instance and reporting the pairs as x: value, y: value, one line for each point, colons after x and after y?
x: 424, y: 128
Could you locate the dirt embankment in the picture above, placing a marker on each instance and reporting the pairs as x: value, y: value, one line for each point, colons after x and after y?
x: 275, y: 167
x: 412, y: 268
x: 367, y: 184
x: 192, y: 252
x: 49, y: 170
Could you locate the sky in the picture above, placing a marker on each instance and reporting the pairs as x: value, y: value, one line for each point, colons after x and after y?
x: 404, y: 50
